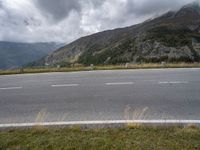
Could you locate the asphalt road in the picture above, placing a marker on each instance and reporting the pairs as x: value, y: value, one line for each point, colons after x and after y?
x: 100, y: 95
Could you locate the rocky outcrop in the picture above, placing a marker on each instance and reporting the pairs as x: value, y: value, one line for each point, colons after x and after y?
x: 156, y: 52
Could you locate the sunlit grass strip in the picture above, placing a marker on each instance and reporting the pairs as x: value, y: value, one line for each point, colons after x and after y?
x: 106, y: 67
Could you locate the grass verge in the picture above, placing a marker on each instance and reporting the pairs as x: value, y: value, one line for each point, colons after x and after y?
x: 135, y: 138
x: 108, y: 67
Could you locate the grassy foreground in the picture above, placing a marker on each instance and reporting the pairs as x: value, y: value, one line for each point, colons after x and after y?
x: 137, y: 138
x: 107, y: 67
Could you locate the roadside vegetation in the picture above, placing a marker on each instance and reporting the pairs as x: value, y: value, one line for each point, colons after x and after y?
x: 106, y: 67
x: 136, y: 138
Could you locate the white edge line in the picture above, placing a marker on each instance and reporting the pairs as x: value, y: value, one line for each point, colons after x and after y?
x: 64, y: 85
x: 106, y: 122
x: 10, y: 88
x: 120, y: 83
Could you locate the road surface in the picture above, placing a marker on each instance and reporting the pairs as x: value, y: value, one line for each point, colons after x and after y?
x: 100, y: 95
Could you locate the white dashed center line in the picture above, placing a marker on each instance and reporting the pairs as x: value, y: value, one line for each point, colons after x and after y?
x: 10, y: 88
x: 64, y: 85
x: 120, y: 83
x: 173, y: 82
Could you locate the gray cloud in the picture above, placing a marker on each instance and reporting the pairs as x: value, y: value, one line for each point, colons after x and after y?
x: 57, y: 9
x: 154, y: 6
x: 67, y: 20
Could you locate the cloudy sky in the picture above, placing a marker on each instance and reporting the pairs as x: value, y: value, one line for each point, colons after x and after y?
x: 67, y: 20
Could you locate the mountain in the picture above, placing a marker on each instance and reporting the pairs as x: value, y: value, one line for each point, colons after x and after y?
x: 13, y: 55
x: 172, y: 37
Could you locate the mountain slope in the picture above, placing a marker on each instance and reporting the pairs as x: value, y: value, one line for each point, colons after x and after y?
x: 13, y: 55
x: 172, y: 37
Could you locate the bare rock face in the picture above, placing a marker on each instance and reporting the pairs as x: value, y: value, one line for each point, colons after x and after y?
x: 172, y: 37
x: 182, y: 52
x: 196, y: 47
x: 193, y: 27
x: 153, y: 52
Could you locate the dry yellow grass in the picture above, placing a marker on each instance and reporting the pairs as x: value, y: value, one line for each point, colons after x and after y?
x: 137, y: 114
x: 41, y: 116
x: 106, y: 67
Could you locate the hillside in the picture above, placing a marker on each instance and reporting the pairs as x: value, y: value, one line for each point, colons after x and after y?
x: 13, y: 55
x: 172, y: 37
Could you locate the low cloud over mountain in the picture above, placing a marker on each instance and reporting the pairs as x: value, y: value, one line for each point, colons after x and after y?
x: 67, y: 20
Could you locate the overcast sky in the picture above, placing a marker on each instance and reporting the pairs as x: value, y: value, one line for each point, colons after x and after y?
x: 67, y: 20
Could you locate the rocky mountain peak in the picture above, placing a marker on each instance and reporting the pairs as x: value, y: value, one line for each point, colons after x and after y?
x: 190, y: 10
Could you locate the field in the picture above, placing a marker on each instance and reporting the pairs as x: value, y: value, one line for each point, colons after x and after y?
x: 126, y: 138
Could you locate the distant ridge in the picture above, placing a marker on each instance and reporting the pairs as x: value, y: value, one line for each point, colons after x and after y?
x: 14, y: 55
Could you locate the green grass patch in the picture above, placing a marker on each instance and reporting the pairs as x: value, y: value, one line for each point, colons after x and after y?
x: 102, y: 139
x: 106, y: 67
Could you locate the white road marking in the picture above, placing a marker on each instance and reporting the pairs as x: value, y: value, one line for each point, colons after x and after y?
x: 104, y: 122
x: 163, y: 82
x: 177, y: 82
x: 10, y: 88
x: 173, y: 82
x: 64, y: 85
x: 120, y: 83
